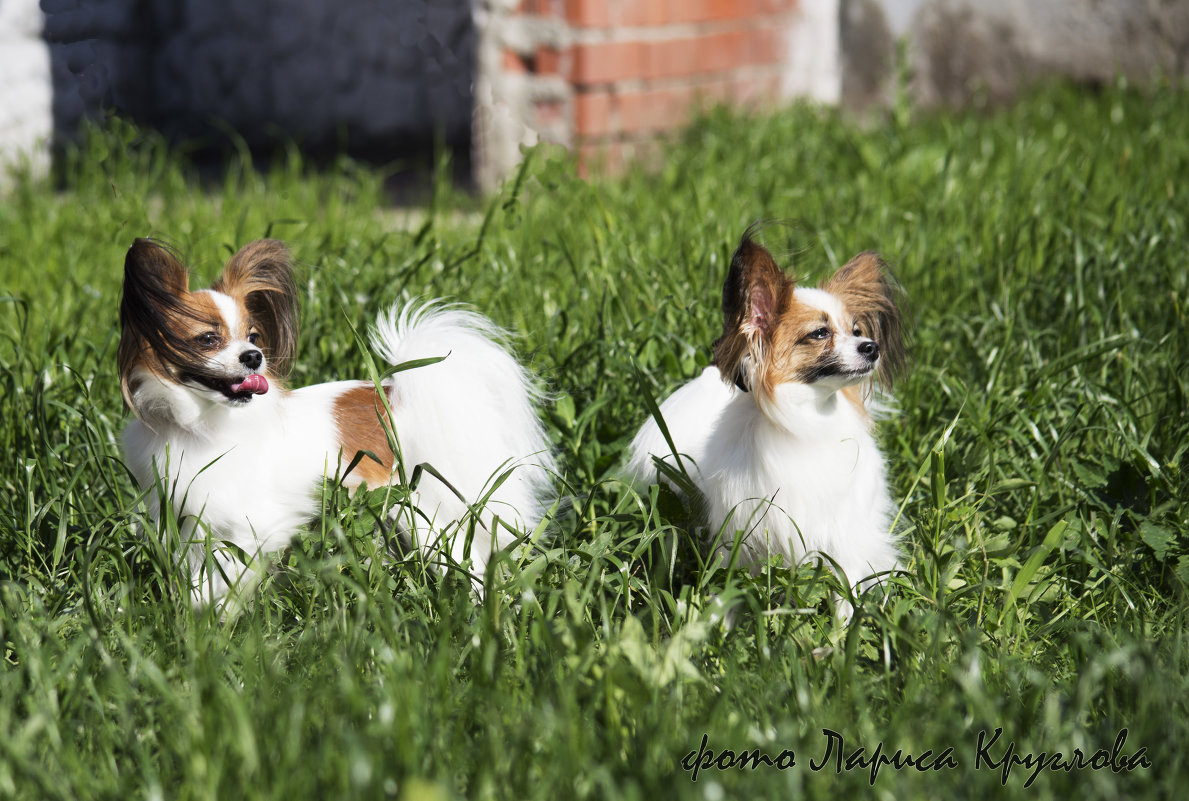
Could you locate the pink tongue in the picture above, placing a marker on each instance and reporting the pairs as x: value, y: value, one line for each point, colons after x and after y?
x: 254, y: 383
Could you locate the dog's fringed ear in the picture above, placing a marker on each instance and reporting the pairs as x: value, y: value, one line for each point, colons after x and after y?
x: 753, y: 296
x: 155, y: 268
x: 261, y: 273
x: 155, y: 285
x: 868, y: 289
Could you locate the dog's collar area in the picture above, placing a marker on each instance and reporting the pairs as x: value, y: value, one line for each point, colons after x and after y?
x: 739, y: 382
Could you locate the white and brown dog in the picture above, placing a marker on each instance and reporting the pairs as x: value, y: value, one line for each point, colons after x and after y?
x: 776, y: 433
x: 242, y: 458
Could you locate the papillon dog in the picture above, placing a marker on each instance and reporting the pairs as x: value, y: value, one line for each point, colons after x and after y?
x: 242, y: 459
x: 776, y: 433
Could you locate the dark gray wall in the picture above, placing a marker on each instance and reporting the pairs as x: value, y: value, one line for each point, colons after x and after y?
x: 379, y: 77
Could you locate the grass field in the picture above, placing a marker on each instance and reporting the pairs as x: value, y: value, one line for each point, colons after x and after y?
x: 1039, y: 452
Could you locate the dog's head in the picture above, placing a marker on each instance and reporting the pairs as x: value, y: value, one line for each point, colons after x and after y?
x: 222, y: 344
x: 775, y: 333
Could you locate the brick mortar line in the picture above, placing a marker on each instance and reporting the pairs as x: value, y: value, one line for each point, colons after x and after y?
x: 694, y: 80
x: 524, y: 34
x: 633, y: 19
x: 680, y: 30
x: 541, y: 87
x: 661, y: 82
x: 617, y: 132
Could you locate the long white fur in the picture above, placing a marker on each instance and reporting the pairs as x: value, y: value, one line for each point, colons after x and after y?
x: 252, y: 473
x: 471, y: 416
x: 802, y: 477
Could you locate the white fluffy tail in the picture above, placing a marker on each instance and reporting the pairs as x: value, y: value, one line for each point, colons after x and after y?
x: 473, y: 417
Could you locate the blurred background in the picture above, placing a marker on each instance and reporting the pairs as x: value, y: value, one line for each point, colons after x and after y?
x: 397, y: 81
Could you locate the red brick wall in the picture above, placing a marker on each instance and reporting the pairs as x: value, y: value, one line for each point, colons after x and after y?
x: 637, y: 68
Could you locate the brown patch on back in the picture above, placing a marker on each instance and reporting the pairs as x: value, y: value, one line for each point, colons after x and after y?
x: 357, y: 414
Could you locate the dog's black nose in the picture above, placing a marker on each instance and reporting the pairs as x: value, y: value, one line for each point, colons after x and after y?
x: 869, y: 350
x: 252, y: 359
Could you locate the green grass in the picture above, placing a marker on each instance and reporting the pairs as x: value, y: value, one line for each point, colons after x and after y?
x: 1039, y: 452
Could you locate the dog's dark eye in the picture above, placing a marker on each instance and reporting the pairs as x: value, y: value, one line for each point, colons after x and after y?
x: 858, y: 331
x: 209, y: 339
x: 821, y: 333
x: 254, y: 338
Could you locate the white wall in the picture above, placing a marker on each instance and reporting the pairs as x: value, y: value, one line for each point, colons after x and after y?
x: 26, y: 90
x: 899, y: 14
x: 814, y: 66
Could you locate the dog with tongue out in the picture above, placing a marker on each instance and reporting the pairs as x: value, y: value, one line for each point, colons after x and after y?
x: 240, y: 458
x: 252, y: 384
